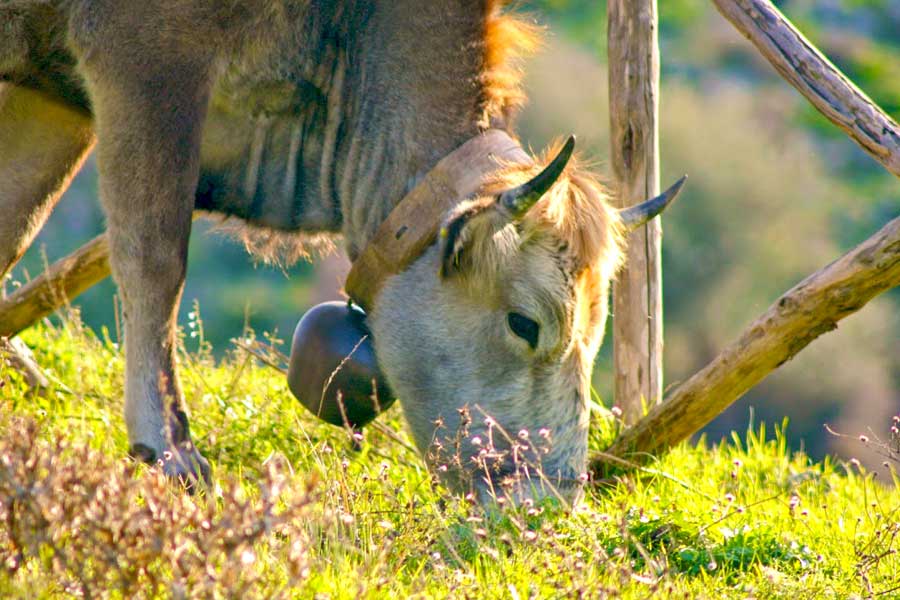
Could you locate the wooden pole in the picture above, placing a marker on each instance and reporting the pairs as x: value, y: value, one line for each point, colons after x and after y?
x: 808, y: 70
x: 809, y: 309
x: 634, y: 155
x: 63, y: 280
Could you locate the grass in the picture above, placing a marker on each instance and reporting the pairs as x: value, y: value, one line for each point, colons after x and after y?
x: 301, y: 509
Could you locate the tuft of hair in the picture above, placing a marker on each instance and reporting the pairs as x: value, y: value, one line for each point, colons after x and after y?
x: 576, y: 210
x: 507, y: 40
x: 273, y: 247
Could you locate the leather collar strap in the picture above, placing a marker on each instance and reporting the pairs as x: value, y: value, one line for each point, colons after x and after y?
x: 413, y: 224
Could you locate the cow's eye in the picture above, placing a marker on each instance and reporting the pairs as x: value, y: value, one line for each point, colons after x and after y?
x: 525, y: 328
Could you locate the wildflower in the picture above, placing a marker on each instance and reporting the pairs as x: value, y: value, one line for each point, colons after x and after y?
x: 523, y: 434
x: 248, y: 557
x: 616, y: 411
x: 729, y: 497
x: 864, y: 439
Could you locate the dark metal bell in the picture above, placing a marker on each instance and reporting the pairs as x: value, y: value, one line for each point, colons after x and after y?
x: 332, y: 354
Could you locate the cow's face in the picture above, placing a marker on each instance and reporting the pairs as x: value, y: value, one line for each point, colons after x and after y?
x: 488, y: 339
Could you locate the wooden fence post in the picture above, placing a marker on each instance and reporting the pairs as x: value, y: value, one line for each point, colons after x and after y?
x: 634, y: 155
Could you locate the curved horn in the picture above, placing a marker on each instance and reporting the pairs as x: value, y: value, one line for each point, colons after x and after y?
x: 635, y: 216
x: 520, y: 199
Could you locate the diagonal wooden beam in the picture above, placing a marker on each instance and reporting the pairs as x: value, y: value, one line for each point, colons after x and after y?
x: 62, y: 281
x: 820, y: 82
x: 811, y: 308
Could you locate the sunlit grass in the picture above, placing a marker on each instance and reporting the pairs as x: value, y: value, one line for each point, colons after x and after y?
x: 301, y: 508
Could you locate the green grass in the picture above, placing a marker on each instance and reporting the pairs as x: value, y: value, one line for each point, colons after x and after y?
x: 300, y: 509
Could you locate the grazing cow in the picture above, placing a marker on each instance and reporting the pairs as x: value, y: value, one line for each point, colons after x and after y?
x: 311, y: 116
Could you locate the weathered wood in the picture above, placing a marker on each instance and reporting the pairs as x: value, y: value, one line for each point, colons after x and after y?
x: 634, y: 156
x: 21, y: 358
x: 809, y: 309
x: 808, y: 70
x: 63, y: 280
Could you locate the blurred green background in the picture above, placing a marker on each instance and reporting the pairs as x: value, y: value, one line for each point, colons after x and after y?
x: 776, y: 192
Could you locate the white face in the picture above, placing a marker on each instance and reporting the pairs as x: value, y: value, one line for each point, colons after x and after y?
x: 482, y: 342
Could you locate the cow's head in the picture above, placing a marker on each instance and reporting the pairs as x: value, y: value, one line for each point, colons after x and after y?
x: 488, y: 338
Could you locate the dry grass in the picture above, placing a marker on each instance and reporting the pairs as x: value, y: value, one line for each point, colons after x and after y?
x: 302, y: 509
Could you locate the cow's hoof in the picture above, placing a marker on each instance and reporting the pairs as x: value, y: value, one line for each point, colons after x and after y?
x: 182, y: 463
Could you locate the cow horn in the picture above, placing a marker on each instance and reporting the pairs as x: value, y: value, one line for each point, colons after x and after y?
x: 520, y: 199
x: 635, y: 216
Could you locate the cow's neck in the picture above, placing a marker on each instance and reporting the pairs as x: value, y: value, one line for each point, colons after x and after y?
x: 415, y: 99
x: 347, y: 117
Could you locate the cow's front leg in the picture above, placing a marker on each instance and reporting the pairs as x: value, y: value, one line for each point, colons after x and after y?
x: 148, y: 119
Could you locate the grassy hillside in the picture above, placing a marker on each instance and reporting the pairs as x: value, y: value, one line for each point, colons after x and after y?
x: 300, y: 509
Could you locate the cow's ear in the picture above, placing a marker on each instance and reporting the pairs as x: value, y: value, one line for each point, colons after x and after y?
x: 468, y: 235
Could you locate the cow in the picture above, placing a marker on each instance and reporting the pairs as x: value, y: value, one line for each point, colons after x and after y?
x: 308, y: 117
